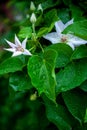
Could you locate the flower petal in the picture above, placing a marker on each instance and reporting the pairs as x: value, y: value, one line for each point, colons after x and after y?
x: 17, y: 53
x: 59, y: 26
x: 26, y: 52
x: 52, y: 37
x: 71, y: 45
x: 68, y: 23
x: 24, y: 43
x: 10, y: 44
x: 17, y: 42
x: 10, y: 49
x: 77, y: 41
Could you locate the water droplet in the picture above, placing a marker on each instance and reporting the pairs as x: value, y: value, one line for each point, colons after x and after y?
x: 63, y: 89
x: 34, y: 73
x: 79, y: 73
x: 36, y: 66
x: 44, y: 77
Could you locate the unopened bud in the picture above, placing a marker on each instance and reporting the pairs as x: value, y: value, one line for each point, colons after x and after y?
x: 33, y: 18
x: 40, y: 7
x: 32, y: 6
x: 33, y: 97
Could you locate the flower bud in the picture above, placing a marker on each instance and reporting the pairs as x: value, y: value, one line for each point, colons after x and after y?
x: 33, y: 18
x: 33, y: 97
x: 40, y: 7
x: 32, y: 6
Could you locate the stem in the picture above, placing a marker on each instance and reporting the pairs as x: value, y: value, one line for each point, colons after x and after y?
x: 41, y: 47
x: 33, y: 27
x: 32, y: 48
x: 34, y: 33
x: 34, y: 37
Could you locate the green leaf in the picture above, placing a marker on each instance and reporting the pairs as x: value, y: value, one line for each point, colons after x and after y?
x: 25, y: 32
x: 77, y: 12
x: 83, y: 86
x: 58, y: 115
x: 50, y: 19
x: 41, y: 71
x: 20, y: 82
x: 49, y: 3
x: 78, y: 28
x: 42, y: 31
x: 64, y: 53
x: 76, y: 103
x: 85, y: 118
x: 64, y: 14
x: 67, y: 2
x: 12, y: 64
x: 80, y: 52
x: 83, y: 4
x: 71, y: 76
x: 39, y: 20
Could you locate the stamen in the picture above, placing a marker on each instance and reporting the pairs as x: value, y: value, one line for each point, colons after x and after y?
x: 64, y: 38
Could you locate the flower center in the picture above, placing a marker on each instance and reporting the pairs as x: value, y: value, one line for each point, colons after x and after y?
x: 64, y: 38
x: 19, y: 48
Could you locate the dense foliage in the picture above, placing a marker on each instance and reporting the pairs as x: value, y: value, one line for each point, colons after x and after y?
x: 48, y: 89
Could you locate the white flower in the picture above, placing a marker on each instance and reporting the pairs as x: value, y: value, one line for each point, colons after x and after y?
x: 18, y: 48
x: 33, y: 18
x: 58, y: 37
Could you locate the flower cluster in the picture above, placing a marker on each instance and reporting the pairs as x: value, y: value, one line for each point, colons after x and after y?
x: 20, y: 48
x: 55, y: 37
x: 33, y: 8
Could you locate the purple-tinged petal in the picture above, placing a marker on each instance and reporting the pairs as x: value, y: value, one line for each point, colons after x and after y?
x: 52, y: 37
x: 24, y: 43
x: 17, y: 53
x: 26, y: 52
x: 59, y: 26
x: 68, y: 23
x: 10, y: 49
x: 17, y: 42
x: 77, y: 41
x: 10, y: 44
x: 71, y: 45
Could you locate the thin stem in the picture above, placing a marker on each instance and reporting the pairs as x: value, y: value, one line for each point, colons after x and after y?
x: 41, y: 47
x: 34, y: 37
x: 32, y: 48
x: 33, y: 27
x: 34, y: 33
